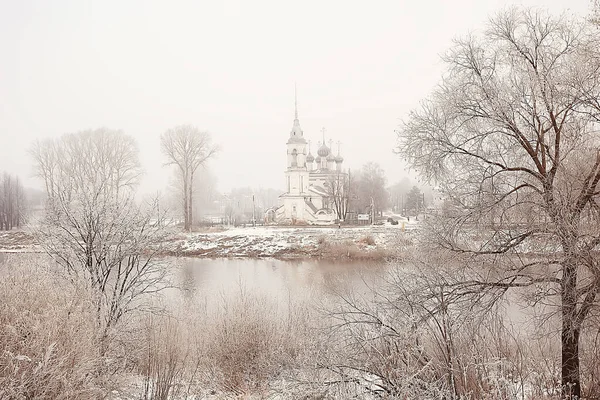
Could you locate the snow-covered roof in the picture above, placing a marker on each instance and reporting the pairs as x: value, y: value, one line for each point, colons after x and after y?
x: 318, y: 190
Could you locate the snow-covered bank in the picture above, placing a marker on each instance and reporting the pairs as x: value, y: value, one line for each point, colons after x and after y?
x: 357, y: 242
x: 372, y: 242
x: 17, y: 241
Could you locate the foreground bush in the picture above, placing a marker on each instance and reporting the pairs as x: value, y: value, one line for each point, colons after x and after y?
x: 47, y: 350
x: 242, y: 344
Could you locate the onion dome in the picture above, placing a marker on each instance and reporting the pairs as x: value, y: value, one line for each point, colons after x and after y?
x: 330, y: 157
x: 323, y: 150
x: 318, y: 160
x: 339, y: 159
x: 310, y: 158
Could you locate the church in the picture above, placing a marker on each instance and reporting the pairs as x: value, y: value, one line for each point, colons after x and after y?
x: 308, y: 198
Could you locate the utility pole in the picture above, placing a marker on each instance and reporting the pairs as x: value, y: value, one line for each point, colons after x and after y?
x: 253, y: 212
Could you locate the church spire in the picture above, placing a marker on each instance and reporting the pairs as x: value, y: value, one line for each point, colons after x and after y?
x: 295, y: 101
x: 296, y: 135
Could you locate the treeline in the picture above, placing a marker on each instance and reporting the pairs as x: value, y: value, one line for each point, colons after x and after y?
x: 12, y: 202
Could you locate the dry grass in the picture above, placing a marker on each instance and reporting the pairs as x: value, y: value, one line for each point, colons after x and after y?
x: 47, y: 348
x: 241, y: 344
x: 350, y: 250
x: 367, y: 240
x: 253, y: 340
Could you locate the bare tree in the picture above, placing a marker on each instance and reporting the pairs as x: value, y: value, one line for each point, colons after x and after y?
x: 338, y: 190
x: 204, y: 193
x: 94, y: 228
x: 100, y: 157
x: 188, y: 148
x: 12, y: 202
x: 511, y: 134
x: 414, y: 335
x: 370, y: 188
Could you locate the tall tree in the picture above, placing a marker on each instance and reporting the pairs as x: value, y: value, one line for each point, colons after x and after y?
x: 370, y: 188
x: 414, y: 200
x: 103, y: 158
x: 93, y: 227
x: 204, y: 193
x: 398, y: 193
x: 511, y: 136
x: 188, y: 148
x: 338, y: 190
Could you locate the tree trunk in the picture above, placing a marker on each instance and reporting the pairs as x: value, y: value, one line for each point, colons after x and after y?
x: 570, y: 365
x: 190, y: 203
x: 570, y: 379
x: 186, y: 220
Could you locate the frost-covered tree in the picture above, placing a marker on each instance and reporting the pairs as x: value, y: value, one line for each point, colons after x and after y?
x: 188, y: 148
x: 511, y: 135
x: 338, y: 190
x: 414, y: 200
x: 93, y: 226
x: 368, y: 188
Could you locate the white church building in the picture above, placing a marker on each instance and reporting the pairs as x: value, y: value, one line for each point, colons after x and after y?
x: 307, y: 199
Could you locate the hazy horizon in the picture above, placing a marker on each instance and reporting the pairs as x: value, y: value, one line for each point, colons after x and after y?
x: 228, y: 68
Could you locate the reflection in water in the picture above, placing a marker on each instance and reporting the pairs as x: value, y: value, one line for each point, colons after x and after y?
x: 272, y: 278
x: 198, y: 277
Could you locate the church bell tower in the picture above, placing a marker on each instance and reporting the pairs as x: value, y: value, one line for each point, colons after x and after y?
x: 296, y: 173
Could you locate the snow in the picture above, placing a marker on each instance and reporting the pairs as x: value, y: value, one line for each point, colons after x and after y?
x: 262, y: 241
x: 272, y: 241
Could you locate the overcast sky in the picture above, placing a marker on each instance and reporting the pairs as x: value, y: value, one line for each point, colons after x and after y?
x: 227, y: 67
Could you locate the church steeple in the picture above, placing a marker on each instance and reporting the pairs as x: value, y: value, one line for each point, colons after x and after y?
x: 295, y: 101
x: 296, y: 135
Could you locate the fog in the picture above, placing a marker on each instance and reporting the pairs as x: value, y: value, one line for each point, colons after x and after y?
x: 229, y: 68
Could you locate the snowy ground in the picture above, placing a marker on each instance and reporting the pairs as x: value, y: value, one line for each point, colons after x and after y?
x: 16, y: 241
x: 292, y: 242
x: 373, y: 242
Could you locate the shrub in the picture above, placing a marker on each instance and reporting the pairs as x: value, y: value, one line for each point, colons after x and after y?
x: 47, y: 346
x: 367, y: 240
x: 249, y: 342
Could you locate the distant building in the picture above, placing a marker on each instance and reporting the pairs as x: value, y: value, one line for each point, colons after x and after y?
x: 308, y: 197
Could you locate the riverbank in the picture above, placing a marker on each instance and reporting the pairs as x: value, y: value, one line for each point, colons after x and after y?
x: 17, y: 241
x: 366, y: 242
x: 350, y: 243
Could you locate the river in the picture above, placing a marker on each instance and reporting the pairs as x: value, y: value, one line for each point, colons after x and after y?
x: 212, y: 280
x: 273, y: 278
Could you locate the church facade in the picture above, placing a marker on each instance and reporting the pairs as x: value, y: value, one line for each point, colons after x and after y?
x: 309, y: 195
